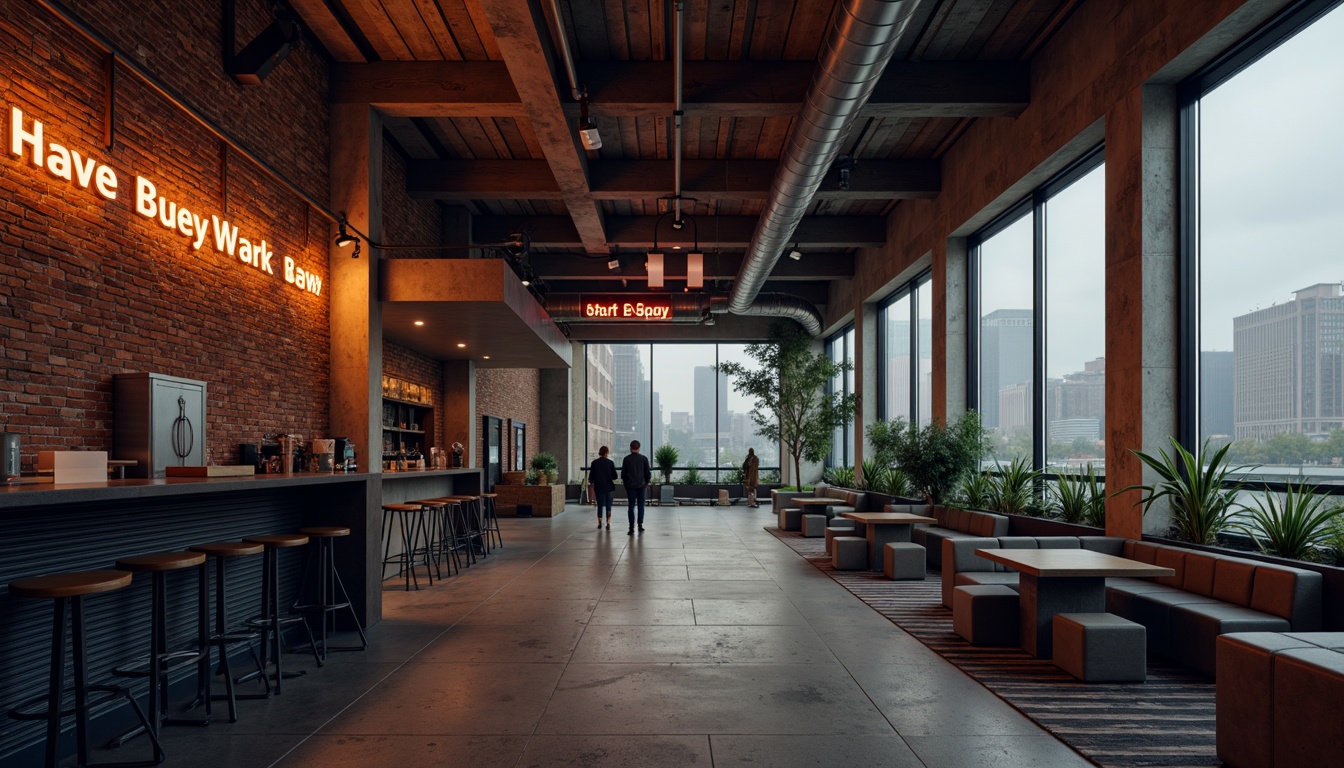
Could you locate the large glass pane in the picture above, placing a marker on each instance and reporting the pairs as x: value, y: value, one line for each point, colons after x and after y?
x: 690, y: 418
x: 600, y: 380
x: 630, y: 365
x: 741, y: 433
x: 1075, y: 322
x: 896, y: 359
x: 924, y: 351
x: 1007, y: 339
x: 1271, y: 209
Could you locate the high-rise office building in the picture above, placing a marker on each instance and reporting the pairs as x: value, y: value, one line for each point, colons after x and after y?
x: 711, y: 390
x: 601, y: 393
x: 1217, y: 376
x: 630, y: 396
x: 1006, y: 344
x: 1288, y: 363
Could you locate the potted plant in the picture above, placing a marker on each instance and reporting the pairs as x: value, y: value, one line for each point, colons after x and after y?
x: 545, y: 465
x: 1013, y: 489
x: 666, y: 458
x: 934, y: 458
x: 1298, y: 527
x: 1200, y: 497
x: 1080, y: 499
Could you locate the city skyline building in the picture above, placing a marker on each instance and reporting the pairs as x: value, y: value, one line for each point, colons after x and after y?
x: 711, y: 396
x: 1006, y: 344
x: 1217, y: 385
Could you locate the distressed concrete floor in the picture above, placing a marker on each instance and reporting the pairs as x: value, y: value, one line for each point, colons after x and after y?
x: 702, y: 642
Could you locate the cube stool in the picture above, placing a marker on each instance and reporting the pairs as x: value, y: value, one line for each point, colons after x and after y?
x: 985, y: 615
x: 831, y: 532
x: 1101, y: 647
x: 903, y: 561
x: 849, y: 553
x: 790, y: 518
x: 814, y: 526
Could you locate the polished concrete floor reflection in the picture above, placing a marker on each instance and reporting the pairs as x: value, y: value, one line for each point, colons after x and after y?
x: 703, y: 641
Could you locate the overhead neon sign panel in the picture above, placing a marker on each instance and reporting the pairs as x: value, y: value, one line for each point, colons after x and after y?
x: 625, y: 308
x: 87, y: 173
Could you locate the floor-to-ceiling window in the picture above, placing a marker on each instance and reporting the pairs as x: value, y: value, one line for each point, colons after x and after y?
x: 1264, y: 212
x: 840, y: 348
x: 905, y: 357
x: 673, y: 394
x: 1040, y: 290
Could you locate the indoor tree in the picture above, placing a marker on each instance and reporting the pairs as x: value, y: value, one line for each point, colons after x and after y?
x: 788, y: 383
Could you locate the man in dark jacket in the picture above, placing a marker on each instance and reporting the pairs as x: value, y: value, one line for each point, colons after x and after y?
x: 635, y: 473
x: 603, y: 477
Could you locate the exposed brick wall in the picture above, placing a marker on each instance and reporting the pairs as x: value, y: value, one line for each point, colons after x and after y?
x: 90, y: 288
x: 513, y: 394
x: 408, y: 365
x: 406, y: 221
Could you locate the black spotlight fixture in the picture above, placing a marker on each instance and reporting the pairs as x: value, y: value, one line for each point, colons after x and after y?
x: 252, y: 64
x: 344, y: 239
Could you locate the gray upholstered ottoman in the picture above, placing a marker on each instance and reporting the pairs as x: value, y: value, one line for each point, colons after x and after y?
x: 790, y: 518
x: 1101, y: 647
x: 849, y: 553
x: 814, y: 526
x: 903, y: 560
x: 985, y: 615
x: 831, y: 532
x: 1308, y: 688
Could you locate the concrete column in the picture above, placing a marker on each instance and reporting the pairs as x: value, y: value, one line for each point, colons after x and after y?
x: 555, y: 406
x: 865, y: 379
x: 1141, y: 296
x: 459, y: 408
x: 950, y: 326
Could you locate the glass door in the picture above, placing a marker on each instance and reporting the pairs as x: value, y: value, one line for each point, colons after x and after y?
x: 494, y: 440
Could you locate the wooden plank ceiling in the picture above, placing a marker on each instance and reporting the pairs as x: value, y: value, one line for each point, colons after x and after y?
x: 475, y: 95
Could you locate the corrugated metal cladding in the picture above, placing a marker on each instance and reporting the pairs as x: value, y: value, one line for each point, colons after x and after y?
x: 64, y: 538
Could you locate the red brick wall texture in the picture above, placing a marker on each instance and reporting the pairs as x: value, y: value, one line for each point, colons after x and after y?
x: 513, y: 394
x: 90, y: 287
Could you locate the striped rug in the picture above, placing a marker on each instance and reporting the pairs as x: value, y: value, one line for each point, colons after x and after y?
x: 1166, y: 721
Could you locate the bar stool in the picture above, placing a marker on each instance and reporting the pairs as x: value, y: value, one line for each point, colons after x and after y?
x: 471, y: 506
x: 492, y: 519
x: 63, y: 589
x: 436, y: 529
x: 328, y: 585
x: 270, y: 621
x: 462, y: 530
x: 222, y: 552
x: 408, y: 520
x: 161, y: 662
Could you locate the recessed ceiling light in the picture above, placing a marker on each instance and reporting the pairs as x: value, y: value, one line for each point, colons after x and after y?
x: 461, y: 345
x: 419, y: 322
x: 485, y: 357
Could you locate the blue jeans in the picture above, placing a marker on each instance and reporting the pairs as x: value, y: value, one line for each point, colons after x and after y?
x: 633, y: 496
x: 604, y: 500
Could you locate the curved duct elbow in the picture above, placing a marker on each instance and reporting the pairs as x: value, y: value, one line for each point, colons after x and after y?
x: 858, y: 48
x: 784, y: 305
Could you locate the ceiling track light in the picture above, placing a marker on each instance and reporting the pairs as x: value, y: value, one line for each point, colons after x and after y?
x: 588, y: 134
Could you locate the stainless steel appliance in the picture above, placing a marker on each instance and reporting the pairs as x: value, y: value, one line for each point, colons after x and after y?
x: 9, y: 457
x: 158, y: 420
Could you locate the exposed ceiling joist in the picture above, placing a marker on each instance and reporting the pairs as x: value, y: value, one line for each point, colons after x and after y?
x: 328, y: 29
x: 429, y: 88
x: 644, y: 179
x: 812, y: 268
x: 730, y: 232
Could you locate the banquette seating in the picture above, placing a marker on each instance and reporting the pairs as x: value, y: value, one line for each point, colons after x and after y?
x: 845, y: 499
x: 952, y: 523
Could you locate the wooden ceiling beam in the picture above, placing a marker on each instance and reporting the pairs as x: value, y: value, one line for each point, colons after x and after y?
x: 729, y: 232
x: 318, y: 17
x: 645, y: 179
x: 713, y: 88
x: 813, y: 267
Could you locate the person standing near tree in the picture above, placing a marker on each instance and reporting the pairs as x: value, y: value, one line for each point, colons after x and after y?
x: 751, y: 476
x: 602, y: 474
x: 636, y: 474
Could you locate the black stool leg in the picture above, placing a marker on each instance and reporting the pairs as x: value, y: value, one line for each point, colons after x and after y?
x: 57, y: 683
x: 81, y: 671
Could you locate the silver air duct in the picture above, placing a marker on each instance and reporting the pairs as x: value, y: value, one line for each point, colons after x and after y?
x: 784, y: 305
x: 861, y: 42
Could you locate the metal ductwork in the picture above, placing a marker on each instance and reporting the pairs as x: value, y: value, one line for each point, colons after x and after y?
x: 784, y: 305
x: 858, y: 48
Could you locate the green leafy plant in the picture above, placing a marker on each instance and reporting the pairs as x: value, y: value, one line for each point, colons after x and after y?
x: 1199, y: 494
x: 532, y: 477
x: 666, y: 458
x: 936, y: 457
x: 772, y: 476
x: 692, y: 477
x: 894, y: 483
x: 543, y: 461
x: 1079, y: 498
x: 841, y: 476
x: 1013, y: 488
x: 974, y: 491
x: 874, y: 475
x: 788, y: 385
x: 1296, y: 527
x: 732, y: 476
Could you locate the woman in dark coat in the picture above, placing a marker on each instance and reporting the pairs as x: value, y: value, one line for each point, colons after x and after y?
x: 602, y: 474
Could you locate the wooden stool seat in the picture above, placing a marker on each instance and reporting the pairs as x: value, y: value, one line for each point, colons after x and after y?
x: 489, y: 495
x: 161, y: 561
x: 228, y: 548
x: 70, y: 584
x: 278, y: 540
x: 325, y: 532
x: 402, y: 507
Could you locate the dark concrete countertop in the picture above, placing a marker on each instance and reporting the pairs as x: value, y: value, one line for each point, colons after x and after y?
x: 430, y: 473
x: 31, y: 494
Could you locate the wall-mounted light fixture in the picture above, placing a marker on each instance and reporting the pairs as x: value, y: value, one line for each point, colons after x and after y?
x: 344, y: 239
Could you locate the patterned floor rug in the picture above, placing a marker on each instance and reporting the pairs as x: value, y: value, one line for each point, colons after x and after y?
x: 1167, y: 721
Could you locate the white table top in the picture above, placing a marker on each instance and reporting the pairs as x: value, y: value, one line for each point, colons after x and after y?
x: 1071, y: 562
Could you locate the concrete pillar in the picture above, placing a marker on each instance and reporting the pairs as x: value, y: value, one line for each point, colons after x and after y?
x: 555, y: 407
x: 459, y: 408
x: 865, y: 379
x: 950, y: 326
x: 1142, y: 254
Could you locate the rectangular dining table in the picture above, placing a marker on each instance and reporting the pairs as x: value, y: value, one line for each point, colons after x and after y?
x: 883, y: 527
x: 1062, y: 581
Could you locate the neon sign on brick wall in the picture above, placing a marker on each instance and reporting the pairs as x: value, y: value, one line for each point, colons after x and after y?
x: 28, y: 140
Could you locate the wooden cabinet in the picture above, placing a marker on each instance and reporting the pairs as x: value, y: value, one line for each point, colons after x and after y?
x: 407, y: 426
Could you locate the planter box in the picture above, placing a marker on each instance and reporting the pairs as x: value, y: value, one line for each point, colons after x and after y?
x: 546, y: 500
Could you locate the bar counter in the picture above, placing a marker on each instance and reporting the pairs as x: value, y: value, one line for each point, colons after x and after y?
x: 47, y: 528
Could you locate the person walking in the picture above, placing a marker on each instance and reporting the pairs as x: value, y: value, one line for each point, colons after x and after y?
x: 751, y: 476
x: 602, y: 474
x: 635, y: 473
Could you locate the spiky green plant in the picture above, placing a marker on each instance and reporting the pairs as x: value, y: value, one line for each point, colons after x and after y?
x: 975, y: 490
x: 692, y: 477
x: 1013, y: 488
x: 874, y: 475
x: 732, y: 476
x: 897, y: 483
x: 1296, y: 527
x: 666, y: 458
x: 1079, y: 498
x: 1200, y: 494
x: 841, y: 476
